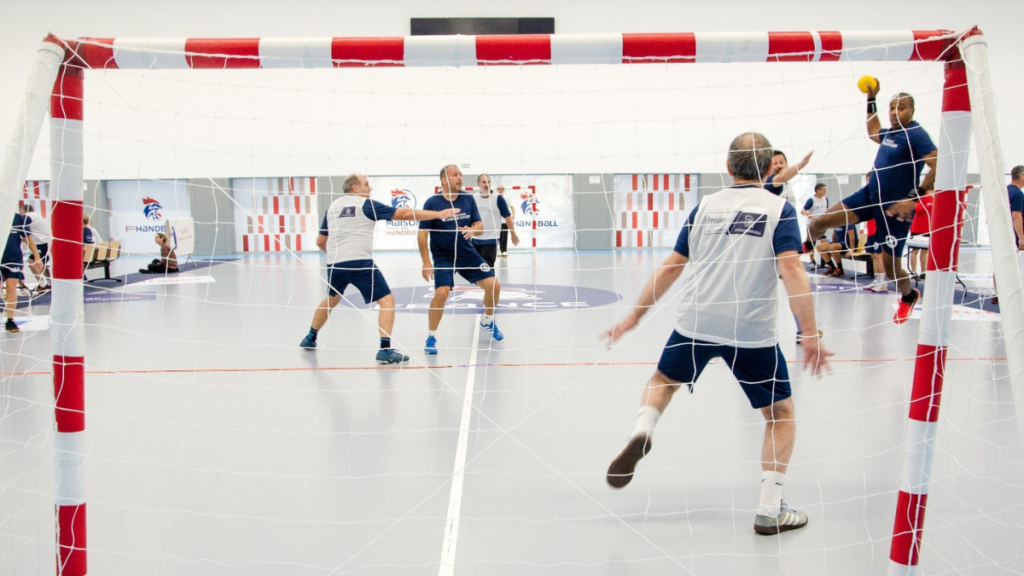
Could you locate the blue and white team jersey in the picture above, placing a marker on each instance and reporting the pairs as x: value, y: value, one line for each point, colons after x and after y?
x: 899, y: 162
x: 493, y: 211
x: 1016, y: 204
x: 840, y: 235
x: 348, y: 225
x: 446, y: 242
x: 816, y: 206
x: 730, y: 285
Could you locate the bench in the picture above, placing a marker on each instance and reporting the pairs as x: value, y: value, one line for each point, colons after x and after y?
x: 100, y: 256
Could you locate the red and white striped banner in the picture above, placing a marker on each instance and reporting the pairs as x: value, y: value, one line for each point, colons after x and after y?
x: 650, y: 209
x: 283, y: 216
x: 613, y: 48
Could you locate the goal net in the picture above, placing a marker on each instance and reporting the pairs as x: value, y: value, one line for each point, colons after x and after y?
x: 165, y: 419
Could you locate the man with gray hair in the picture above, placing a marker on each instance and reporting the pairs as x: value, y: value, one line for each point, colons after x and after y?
x: 346, y: 234
x: 731, y: 241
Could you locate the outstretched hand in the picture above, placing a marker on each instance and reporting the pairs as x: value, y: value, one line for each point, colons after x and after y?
x: 616, y: 332
x: 801, y: 164
x: 816, y: 356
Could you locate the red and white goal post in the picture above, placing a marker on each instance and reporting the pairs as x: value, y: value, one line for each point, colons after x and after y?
x: 57, y: 84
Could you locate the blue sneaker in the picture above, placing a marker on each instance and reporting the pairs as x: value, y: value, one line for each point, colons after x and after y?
x: 391, y: 356
x: 431, y: 347
x: 493, y: 329
x: 308, y: 343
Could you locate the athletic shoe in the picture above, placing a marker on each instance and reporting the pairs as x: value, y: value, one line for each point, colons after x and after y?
x: 431, y: 346
x: 11, y: 326
x: 308, y: 343
x: 808, y: 247
x: 838, y: 273
x: 995, y: 300
x: 390, y: 356
x: 493, y: 329
x: 621, y: 470
x: 504, y: 254
x: 787, y: 519
x: 903, y: 310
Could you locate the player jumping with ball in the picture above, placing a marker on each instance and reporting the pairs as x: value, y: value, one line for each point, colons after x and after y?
x: 892, y: 190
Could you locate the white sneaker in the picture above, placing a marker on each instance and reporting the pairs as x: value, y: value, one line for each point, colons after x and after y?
x: 787, y: 519
x: 882, y: 285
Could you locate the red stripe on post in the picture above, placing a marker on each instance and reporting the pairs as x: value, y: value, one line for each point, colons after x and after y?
x: 66, y: 247
x: 68, y: 92
x: 929, y: 45
x: 97, y: 53
x: 944, y: 243
x: 926, y: 394
x: 69, y: 393
x: 71, y: 543
x: 675, y: 48
x: 906, y: 530
x: 502, y: 49
x: 831, y: 45
x: 360, y: 52
x: 790, y: 47
x: 222, y: 53
x: 955, y: 95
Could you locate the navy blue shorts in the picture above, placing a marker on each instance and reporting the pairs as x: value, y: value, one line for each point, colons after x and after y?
x: 890, y: 232
x: 362, y: 274
x: 11, y: 272
x: 472, y: 267
x: 761, y: 372
x: 44, y: 251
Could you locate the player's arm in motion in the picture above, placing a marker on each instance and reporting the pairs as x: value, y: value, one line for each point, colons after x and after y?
x: 428, y: 267
x: 789, y: 172
x: 414, y: 215
x: 801, y: 303
x: 660, y: 282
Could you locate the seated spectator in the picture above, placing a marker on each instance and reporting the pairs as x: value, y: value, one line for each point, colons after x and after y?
x: 89, y: 234
x: 168, y: 260
x: 844, y: 238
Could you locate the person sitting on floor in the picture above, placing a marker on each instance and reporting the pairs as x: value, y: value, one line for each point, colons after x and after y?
x: 168, y: 260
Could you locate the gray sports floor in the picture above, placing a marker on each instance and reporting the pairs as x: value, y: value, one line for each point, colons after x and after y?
x: 218, y: 447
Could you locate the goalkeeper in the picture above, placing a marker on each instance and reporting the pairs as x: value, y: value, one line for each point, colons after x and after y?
x: 892, y: 191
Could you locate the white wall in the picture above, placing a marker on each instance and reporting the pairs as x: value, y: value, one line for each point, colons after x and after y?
x: 645, y: 118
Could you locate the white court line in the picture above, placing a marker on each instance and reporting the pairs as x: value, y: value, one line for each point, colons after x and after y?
x: 451, y: 525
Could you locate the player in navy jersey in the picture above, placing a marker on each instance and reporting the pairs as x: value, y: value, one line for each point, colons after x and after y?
x: 346, y: 234
x: 893, y: 189
x: 451, y: 251
x: 11, y: 264
x: 729, y: 244
x: 1016, y: 197
x: 781, y: 173
x: 496, y: 216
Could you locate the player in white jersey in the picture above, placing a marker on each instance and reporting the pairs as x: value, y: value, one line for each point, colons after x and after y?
x: 346, y: 234
x: 730, y: 243
x: 494, y: 211
x: 815, y: 206
x: 39, y: 228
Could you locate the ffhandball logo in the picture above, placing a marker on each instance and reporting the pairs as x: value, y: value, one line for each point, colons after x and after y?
x: 402, y: 198
x: 531, y: 205
x: 151, y: 208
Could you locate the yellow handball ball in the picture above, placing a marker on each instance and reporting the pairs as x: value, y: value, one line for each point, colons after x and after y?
x: 867, y: 83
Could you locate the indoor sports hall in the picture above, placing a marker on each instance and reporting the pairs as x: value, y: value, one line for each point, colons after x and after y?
x: 168, y: 406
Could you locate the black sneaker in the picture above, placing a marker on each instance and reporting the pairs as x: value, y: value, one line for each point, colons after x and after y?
x: 621, y: 470
x: 11, y: 326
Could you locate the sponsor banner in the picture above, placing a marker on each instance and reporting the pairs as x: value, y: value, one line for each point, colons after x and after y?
x: 544, y: 199
x: 175, y: 280
x: 182, y: 232
x: 139, y: 209
x: 515, y: 298
x: 116, y: 297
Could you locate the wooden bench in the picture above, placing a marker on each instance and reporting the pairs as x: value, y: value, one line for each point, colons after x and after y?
x: 100, y: 256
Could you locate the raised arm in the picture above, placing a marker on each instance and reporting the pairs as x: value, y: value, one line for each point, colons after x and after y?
x: 659, y: 283
x: 873, y: 124
x: 791, y: 171
x: 794, y: 277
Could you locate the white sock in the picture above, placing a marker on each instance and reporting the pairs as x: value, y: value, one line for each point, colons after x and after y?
x: 487, y: 319
x: 646, y: 420
x: 432, y: 333
x: 771, y: 493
